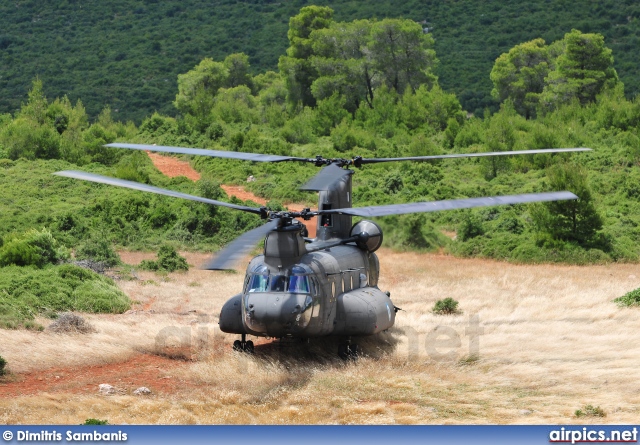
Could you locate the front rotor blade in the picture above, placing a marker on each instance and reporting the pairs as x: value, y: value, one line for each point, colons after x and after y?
x: 238, y: 248
x: 435, y: 206
x: 473, y: 155
x: 149, y: 188
x: 256, y: 157
x: 325, y: 178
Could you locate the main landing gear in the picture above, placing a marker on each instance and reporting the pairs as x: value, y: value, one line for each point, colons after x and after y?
x: 348, y: 350
x: 243, y: 345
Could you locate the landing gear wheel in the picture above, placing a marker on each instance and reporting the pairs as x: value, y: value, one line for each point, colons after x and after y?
x: 243, y: 345
x: 343, y: 349
x: 348, y: 351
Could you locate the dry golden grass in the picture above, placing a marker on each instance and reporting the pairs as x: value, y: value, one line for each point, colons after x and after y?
x: 552, y: 342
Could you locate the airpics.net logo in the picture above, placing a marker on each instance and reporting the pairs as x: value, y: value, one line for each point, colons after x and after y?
x: 590, y: 435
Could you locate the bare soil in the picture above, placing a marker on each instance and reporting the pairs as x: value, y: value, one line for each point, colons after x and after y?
x: 148, y: 370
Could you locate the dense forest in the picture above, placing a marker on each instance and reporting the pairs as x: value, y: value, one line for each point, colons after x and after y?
x: 127, y: 53
x: 340, y: 88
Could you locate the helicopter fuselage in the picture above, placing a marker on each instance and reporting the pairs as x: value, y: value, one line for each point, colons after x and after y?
x: 328, y: 292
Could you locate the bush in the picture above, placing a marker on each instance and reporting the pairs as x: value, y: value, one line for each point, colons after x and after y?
x: 32, y: 248
x: 99, y: 250
x: 3, y: 363
x: 629, y: 299
x: 26, y: 292
x: 470, y: 227
x: 69, y: 322
x: 95, y: 422
x: 446, y: 306
x: 168, y: 261
x: 590, y: 411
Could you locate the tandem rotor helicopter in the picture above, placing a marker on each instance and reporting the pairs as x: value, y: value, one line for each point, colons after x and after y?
x: 325, y: 286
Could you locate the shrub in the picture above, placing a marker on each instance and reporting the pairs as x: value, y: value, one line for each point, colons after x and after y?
x: 168, y: 261
x: 629, y: 299
x: 32, y: 248
x: 95, y: 422
x: 69, y: 322
x: 470, y: 227
x: 446, y: 306
x: 3, y: 363
x: 26, y: 292
x: 590, y: 411
x: 99, y: 250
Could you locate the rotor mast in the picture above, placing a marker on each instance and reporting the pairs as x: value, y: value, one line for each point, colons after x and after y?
x: 337, y: 196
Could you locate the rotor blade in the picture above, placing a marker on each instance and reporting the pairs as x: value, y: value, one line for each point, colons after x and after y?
x: 149, y: 188
x: 327, y: 176
x: 256, y: 157
x: 435, y: 206
x: 238, y: 248
x: 473, y: 155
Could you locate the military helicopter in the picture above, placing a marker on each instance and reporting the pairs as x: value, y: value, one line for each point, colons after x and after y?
x: 325, y: 286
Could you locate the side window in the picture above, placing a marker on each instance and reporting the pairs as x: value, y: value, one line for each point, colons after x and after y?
x: 363, y: 280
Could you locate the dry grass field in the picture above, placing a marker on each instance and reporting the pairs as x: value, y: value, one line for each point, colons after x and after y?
x: 548, y: 342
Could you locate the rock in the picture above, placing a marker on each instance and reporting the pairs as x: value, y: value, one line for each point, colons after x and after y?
x: 525, y: 412
x: 106, y: 389
x: 251, y: 179
x: 142, y: 391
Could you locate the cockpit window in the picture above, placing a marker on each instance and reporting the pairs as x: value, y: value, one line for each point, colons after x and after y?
x: 296, y: 282
x: 258, y: 283
x: 278, y: 283
x: 259, y: 280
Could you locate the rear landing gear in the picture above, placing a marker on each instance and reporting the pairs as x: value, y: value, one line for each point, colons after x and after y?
x: 348, y: 350
x: 243, y: 345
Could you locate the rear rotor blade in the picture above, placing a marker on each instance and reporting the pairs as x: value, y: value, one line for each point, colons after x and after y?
x: 238, y: 248
x: 435, y: 206
x: 256, y: 157
x: 149, y: 188
x: 326, y: 177
x: 473, y: 155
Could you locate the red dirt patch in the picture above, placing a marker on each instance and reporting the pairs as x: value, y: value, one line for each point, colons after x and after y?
x: 142, y: 370
x: 173, y: 167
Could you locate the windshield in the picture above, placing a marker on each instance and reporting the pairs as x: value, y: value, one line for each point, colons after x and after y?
x: 296, y: 282
x: 258, y: 283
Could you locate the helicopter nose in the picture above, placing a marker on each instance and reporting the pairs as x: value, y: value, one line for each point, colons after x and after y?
x: 277, y: 314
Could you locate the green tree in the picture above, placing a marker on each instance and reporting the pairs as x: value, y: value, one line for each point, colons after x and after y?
x: 237, y: 66
x: 402, y: 53
x: 36, y: 107
x: 343, y: 63
x: 198, y: 87
x: 329, y: 113
x: 582, y: 71
x: 519, y: 75
x: 296, y: 66
x: 572, y: 220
